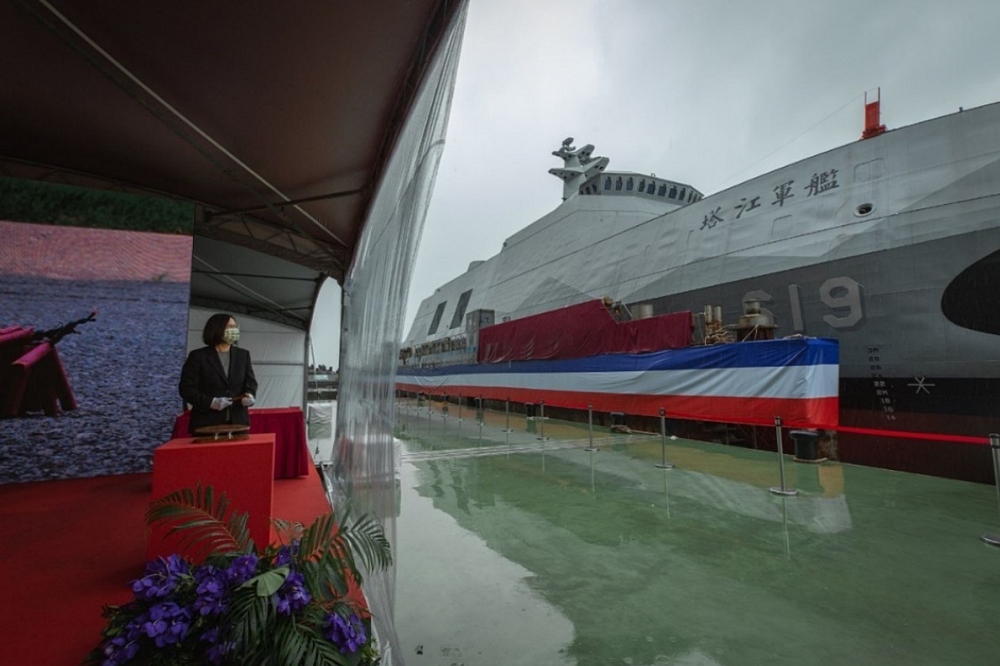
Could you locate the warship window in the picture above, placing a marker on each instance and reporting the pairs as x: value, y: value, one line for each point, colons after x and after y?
x: 629, y: 184
x: 681, y: 196
x: 459, y: 316
x: 642, y: 185
x: 618, y: 183
x: 663, y: 190
x: 607, y: 183
x: 673, y: 193
x: 437, y: 318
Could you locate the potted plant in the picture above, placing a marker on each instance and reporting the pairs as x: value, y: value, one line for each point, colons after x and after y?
x: 226, y: 601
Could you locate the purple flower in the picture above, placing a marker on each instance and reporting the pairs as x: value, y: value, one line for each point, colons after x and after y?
x: 162, y: 577
x: 167, y: 624
x: 217, y: 653
x: 211, y: 589
x: 211, y: 635
x: 348, y: 634
x: 286, y: 553
x: 119, y: 650
x: 242, y: 569
x: 218, y: 650
x: 210, y: 606
x: 292, y: 595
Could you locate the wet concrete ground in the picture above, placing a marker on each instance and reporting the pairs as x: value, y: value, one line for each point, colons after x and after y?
x: 515, y: 550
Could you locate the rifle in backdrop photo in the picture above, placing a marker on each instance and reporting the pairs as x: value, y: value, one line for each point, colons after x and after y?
x: 32, y: 378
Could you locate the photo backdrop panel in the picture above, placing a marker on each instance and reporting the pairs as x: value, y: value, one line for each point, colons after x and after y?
x: 121, y: 368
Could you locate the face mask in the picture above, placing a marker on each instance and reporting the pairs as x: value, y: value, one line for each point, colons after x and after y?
x: 232, y: 335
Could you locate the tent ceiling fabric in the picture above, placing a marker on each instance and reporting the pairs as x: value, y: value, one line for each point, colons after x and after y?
x: 242, y: 108
x: 242, y: 281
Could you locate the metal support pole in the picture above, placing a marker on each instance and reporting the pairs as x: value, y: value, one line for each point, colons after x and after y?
x: 541, y: 421
x: 506, y: 412
x: 994, y: 539
x: 663, y: 464
x: 782, y: 490
x: 590, y: 427
x: 459, y: 407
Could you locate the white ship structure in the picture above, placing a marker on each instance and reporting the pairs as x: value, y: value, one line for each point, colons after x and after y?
x: 889, y: 244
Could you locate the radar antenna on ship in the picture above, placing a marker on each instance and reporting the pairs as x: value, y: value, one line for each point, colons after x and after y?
x: 578, y: 166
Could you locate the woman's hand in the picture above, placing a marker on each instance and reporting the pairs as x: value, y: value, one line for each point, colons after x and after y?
x: 218, y: 404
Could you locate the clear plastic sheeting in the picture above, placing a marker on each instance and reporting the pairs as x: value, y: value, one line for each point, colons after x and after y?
x: 364, y: 467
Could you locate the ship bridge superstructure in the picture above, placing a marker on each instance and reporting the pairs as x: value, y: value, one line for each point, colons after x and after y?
x: 623, y: 183
x: 584, y: 174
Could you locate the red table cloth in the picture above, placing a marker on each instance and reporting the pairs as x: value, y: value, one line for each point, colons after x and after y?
x: 291, y: 448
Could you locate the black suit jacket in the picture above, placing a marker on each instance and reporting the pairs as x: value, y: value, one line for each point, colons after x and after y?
x: 202, y: 380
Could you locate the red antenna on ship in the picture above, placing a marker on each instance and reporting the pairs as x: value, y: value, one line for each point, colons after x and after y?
x: 873, y: 116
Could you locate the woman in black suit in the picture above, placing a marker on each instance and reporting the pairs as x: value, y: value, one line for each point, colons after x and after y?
x: 217, y: 380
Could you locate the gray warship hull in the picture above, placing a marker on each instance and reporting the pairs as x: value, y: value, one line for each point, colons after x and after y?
x: 889, y: 244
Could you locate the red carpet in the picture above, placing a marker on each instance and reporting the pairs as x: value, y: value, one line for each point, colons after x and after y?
x: 69, y: 547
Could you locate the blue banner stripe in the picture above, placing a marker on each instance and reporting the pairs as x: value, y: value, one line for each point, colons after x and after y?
x: 757, y: 354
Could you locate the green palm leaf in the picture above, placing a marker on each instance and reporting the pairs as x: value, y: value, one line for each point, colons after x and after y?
x: 207, y: 525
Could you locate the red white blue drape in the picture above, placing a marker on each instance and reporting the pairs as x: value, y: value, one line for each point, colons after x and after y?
x: 748, y: 382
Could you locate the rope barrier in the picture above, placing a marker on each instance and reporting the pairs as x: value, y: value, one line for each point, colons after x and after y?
x: 909, y: 434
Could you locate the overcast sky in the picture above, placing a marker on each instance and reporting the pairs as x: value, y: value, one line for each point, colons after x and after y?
x: 707, y: 92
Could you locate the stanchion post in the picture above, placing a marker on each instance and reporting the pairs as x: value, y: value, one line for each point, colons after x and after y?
x: 590, y: 427
x: 994, y: 539
x: 783, y: 489
x: 541, y: 420
x: 507, y: 431
x: 459, y: 407
x: 663, y: 464
x: 506, y: 413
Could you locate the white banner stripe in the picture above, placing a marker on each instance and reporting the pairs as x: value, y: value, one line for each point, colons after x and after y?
x: 801, y: 382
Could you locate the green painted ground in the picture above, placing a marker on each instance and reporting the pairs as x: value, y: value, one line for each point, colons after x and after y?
x: 513, y: 550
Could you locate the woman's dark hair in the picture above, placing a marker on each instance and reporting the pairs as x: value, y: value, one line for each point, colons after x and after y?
x: 215, y: 328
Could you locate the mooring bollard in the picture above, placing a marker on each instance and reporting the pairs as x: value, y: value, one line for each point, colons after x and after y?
x: 541, y: 421
x: 590, y: 427
x: 994, y: 539
x: 663, y: 464
x: 782, y: 490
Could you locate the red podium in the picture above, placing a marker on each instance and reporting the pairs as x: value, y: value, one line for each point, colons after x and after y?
x: 291, y: 447
x: 242, y: 469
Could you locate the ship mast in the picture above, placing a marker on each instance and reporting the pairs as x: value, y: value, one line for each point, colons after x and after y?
x: 578, y: 166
